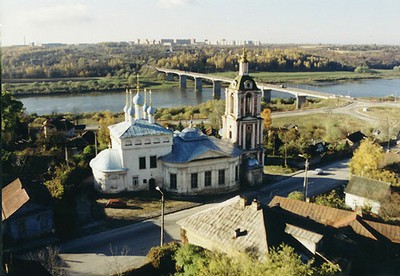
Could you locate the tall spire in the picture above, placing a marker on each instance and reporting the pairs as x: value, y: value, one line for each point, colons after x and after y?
x: 244, y: 64
x: 137, y: 83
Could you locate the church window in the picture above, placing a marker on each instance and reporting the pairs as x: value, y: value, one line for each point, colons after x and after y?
x: 194, y: 178
x: 166, y: 140
x: 231, y: 103
x: 221, y: 177
x: 156, y: 141
x: 172, y: 181
x: 207, y: 178
x: 142, y: 163
x: 147, y: 142
x: 153, y: 161
x: 248, y: 139
x: 128, y: 143
x: 248, y: 103
x: 138, y: 142
x: 248, y: 84
x: 230, y: 134
x: 135, y: 181
x: 144, y: 181
x: 236, y: 173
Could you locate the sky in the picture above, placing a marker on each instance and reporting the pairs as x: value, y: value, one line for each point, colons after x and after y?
x: 268, y: 21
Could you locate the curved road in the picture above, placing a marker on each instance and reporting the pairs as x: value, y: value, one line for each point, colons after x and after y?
x: 119, y: 249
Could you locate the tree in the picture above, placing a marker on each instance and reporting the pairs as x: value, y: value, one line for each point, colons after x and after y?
x: 390, y: 208
x: 296, y: 195
x: 366, y: 162
x: 266, y: 115
x: 104, y: 132
x: 11, y: 110
x: 331, y: 200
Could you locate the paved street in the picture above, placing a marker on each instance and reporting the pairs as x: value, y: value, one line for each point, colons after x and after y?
x: 116, y: 250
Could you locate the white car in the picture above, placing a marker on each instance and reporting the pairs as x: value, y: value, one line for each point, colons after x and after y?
x: 318, y: 171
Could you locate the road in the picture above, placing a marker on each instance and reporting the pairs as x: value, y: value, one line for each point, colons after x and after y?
x: 119, y: 249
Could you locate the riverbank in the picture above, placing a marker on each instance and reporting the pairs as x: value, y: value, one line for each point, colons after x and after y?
x: 156, y: 82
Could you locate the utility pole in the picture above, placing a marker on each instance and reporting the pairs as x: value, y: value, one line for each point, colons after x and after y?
x: 162, y: 216
x: 305, y: 184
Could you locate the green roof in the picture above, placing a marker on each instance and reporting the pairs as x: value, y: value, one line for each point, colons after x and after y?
x: 244, y: 82
x: 367, y: 188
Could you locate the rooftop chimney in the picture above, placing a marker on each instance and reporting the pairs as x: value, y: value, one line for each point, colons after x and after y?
x: 256, y: 205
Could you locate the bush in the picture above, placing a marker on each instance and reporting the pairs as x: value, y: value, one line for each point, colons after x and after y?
x: 162, y: 257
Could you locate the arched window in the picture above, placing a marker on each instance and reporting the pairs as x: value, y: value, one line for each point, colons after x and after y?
x: 231, y: 103
x: 248, y: 101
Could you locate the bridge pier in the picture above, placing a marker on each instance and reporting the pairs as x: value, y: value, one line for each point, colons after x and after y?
x: 198, y: 85
x: 170, y: 76
x: 300, y: 100
x: 266, y: 94
x: 216, y: 90
x: 182, y: 82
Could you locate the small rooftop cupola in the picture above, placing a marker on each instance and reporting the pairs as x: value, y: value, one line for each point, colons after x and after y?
x: 138, y: 101
x: 126, y: 107
x: 244, y: 64
x: 145, y: 106
x: 151, y: 111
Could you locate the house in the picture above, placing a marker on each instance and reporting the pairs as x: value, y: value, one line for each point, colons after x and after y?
x: 315, y: 231
x: 362, y: 192
x: 144, y: 154
x: 60, y: 126
x: 355, y: 139
x: 27, y: 211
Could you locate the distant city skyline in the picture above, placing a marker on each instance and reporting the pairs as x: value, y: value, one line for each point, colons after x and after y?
x: 267, y: 21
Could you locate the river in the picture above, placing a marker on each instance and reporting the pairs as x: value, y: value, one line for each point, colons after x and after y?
x: 115, y: 101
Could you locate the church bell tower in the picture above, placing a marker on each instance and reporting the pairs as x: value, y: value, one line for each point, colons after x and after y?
x: 242, y: 121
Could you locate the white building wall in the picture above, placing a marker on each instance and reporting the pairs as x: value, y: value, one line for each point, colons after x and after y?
x: 354, y: 201
x: 146, y: 146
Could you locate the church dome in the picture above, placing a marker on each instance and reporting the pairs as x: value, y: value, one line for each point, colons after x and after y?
x: 252, y: 162
x: 191, y: 133
x: 138, y: 99
x: 151, y: 110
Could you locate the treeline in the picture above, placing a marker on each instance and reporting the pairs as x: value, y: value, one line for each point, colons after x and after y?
x: 123, y: 59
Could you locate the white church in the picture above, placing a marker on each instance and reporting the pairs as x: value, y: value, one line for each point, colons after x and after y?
x: 143, y: 154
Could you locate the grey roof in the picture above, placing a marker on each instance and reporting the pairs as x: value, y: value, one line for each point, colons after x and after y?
x: 219, y: 223
x: 302, y: 233
x: 138, y: 99
x: 190, y: 145
x: 367, y: 188
x: 137, y: 128
x: 238, y: 83
x: 107, y: 160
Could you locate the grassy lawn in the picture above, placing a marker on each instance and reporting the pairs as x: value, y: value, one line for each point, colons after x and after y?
x: 321, y: 119
x: 308, y: 77
x: 273, y: 169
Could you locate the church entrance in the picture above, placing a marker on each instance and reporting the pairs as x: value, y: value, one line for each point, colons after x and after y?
x: 152, y: 184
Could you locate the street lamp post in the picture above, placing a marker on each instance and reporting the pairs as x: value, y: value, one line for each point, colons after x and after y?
x: 162, y: 216
x: 305, y: 184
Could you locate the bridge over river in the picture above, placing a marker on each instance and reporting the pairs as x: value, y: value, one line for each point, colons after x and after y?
x: 266, y: 88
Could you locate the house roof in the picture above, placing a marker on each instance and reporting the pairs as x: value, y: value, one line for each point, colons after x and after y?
x: 339, y: 218
x: 219, y: 223
x: 192, y: 144
x: 356, y: 137
x: 14, y: 196
x: 107, y: 160
x: 367, y: 188
x: 136, y: 129
x: 60, y: 123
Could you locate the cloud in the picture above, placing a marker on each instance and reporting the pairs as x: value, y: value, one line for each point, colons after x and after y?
x: 57, y: 14
x: 174, y: 3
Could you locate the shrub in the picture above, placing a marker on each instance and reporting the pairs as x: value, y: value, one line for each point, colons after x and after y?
x: 162, y: 257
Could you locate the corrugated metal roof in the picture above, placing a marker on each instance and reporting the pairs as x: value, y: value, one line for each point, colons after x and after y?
x: 107, y: 160
x: 219, y: 223
x: 14, y: 196
x: 137, y: 128
x: 338, y: 218
x: 367, y: 188
x: 303, y: 233
x: 186, y: 150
